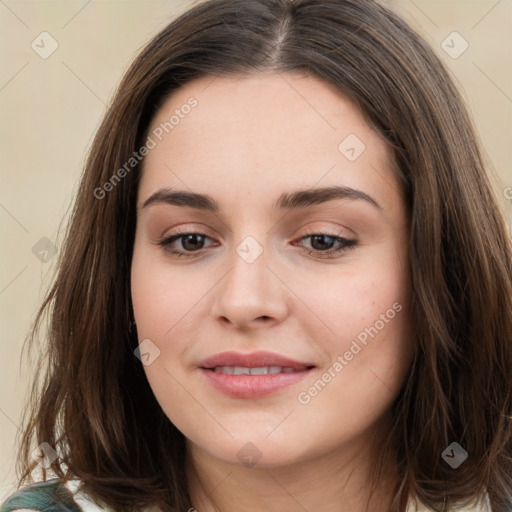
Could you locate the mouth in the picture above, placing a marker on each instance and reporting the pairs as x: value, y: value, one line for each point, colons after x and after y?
x: 253, y: 375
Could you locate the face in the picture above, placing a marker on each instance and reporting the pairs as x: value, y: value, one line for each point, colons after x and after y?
x: 270, y: 278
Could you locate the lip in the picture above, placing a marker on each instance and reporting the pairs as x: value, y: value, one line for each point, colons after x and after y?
x: 253, y: 386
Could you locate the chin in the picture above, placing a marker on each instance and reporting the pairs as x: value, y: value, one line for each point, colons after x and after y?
x: 254, y: 451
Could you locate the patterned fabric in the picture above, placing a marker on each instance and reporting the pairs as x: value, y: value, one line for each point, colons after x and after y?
x: 54, y: 496
x: 51, y: 496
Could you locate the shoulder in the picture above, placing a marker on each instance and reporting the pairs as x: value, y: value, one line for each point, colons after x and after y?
x: 51, y: 496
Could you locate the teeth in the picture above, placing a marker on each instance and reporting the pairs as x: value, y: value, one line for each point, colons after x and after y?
x: 224, y: 369
x: 242, y: 370
x: 258, y: 371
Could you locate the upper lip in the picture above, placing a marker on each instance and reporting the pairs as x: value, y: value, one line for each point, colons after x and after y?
x: 252, y: 360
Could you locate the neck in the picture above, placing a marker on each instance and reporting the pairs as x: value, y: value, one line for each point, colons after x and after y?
x: 338, y: 481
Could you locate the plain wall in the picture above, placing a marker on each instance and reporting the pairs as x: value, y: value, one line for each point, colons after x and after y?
x: 52, y: 106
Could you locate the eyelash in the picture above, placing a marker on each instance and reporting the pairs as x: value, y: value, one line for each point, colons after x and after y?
x: 346, y: 244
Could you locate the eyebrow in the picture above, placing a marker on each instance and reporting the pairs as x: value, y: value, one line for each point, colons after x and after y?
x: 289, y: 200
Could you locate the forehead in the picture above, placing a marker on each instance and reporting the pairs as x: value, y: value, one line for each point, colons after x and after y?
x: 256, y: 134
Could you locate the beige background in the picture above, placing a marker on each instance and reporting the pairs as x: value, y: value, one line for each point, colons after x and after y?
x: 51, y: 107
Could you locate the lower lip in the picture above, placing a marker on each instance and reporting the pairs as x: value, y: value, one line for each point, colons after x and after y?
x: 252, y: 386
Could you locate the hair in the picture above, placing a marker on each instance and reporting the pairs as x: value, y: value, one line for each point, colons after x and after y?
x: 91, y: 400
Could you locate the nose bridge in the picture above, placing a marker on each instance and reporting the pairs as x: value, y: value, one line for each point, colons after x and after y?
x: 250, y: 291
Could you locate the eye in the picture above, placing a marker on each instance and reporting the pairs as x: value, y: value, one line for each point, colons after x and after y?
x: 189, y: 242
x: 325, y: 244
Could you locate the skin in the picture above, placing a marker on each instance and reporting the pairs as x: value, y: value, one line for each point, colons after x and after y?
x: 248, y: 141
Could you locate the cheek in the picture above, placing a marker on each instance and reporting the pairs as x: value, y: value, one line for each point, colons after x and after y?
x: 365, y: 328
x: 163, y: 298
x: 158, y: 304
x: 370, y: 354
x: 354, y: 297
x: 359, y: 317
x: 163, y: 304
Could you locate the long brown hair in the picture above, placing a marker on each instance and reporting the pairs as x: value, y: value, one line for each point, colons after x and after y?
x: 91, y: 400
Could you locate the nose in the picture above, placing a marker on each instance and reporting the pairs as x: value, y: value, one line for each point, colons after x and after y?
x: 251, y: 295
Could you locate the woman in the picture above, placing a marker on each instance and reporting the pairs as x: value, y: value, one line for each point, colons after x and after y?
x: 286, y: 284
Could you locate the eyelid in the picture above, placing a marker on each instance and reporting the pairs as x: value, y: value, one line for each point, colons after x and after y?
x: 325, y: 227
x: 184, y: 229
x: 324, y: 231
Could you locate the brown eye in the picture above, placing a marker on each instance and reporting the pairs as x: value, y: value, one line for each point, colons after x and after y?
x: 188, y: 243
x: 192, y: 242
x: 322, y: 242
